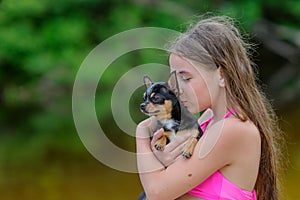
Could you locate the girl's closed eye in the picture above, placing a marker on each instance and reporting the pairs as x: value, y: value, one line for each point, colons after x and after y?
x: 185, y: 78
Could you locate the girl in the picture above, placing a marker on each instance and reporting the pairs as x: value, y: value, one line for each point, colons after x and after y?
x: 237, y: 158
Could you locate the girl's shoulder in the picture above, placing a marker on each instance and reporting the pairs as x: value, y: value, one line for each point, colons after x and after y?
x: 241, y: 128
x: 230, y: 135
x: 240, y: 144
x: 237, y: 133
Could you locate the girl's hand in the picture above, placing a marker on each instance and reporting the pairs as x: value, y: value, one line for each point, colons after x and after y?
x: 172, y: 151
x: 146, y: 128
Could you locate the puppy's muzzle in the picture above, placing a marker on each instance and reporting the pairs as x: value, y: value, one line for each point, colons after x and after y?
x: 143, y: 107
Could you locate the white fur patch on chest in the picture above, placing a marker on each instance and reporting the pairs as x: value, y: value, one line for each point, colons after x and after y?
x: 169, y: 124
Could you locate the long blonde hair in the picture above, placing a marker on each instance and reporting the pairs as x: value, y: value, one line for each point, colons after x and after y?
x: 215, y: 42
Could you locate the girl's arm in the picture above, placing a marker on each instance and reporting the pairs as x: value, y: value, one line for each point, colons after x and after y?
x: 213, y: 152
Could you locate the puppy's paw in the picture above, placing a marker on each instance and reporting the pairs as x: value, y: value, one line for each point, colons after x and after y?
x: 160, y: 144
x: 159, y: 147
x: 189, y: 148
x: 187, y: 154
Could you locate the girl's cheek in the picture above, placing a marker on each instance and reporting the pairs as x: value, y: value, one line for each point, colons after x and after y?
x: 185, y: 88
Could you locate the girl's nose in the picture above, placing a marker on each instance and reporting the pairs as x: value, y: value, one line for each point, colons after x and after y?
x: 180, y: 91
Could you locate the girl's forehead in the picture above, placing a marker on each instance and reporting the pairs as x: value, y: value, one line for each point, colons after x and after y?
x: 178, y: 62
x: 182, y: 65
x: 175, y: 59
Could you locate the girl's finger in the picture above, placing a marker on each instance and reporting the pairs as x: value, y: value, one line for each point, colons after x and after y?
x: 156, y: 136
x: 178, y: 150
x: 149, y: 124
x: 177, y: 142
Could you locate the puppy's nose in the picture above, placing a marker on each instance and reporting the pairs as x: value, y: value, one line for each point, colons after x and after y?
x: 143, y: 106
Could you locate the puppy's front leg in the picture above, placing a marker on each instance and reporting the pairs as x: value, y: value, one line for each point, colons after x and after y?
x: 190, y: 145
x: 162, y: 141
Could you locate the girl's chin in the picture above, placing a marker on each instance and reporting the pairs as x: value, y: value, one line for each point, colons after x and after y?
x: 190, y: 109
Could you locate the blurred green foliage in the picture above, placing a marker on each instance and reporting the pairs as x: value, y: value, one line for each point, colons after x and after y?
x: 42, y: 45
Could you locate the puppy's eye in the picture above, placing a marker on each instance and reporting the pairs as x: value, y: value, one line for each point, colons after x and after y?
x: 157, y: 99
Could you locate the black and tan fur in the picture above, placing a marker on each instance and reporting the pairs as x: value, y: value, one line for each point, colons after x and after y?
x: 161, y: 100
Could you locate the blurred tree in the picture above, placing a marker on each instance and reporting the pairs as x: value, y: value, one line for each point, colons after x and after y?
x: 42, y: 45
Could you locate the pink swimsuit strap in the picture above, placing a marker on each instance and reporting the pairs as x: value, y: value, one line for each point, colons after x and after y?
x: 218, y: 187
x: 205, y: 124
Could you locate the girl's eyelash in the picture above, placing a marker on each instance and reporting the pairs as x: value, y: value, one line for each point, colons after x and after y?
x: 184, y: 78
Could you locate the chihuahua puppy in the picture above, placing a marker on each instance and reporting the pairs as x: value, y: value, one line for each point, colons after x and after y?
x: 161, y: 100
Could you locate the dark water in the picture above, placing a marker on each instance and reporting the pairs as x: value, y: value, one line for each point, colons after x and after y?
x: 63, y: 180
x: 290, y: 124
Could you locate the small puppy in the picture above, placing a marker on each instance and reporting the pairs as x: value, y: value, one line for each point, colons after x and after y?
x: 161, y: 100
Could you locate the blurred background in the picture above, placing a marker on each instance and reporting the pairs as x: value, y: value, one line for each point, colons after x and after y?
x: 42, y: 45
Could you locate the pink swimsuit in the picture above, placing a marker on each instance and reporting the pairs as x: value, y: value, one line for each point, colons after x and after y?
x: 217, y: 187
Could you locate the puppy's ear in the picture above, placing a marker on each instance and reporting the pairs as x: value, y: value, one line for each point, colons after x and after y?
x: 173, y: 83
x: 147, y: 81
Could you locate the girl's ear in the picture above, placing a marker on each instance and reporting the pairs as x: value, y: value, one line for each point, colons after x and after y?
x: 172, y: 83
x: 221, y: 77
x: 147, y: 81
